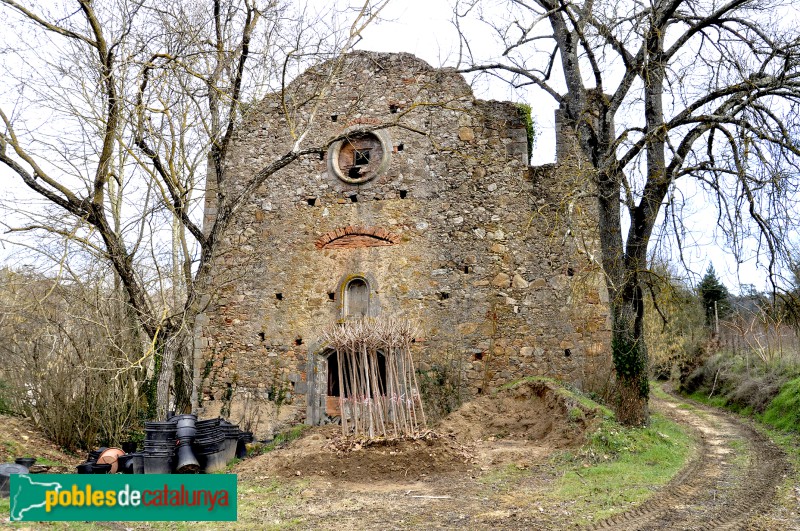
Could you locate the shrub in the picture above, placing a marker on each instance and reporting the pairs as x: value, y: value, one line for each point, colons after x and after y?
x: 530, y: 130
x: 71, y: 359
x: 751, y: 386
x: 441, y: 389
x: 5, y: 405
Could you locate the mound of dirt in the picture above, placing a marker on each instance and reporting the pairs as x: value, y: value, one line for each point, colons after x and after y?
x: 534, y: 410
x: 20, y: 438
x: 324, y: 451
x: 515, y: 425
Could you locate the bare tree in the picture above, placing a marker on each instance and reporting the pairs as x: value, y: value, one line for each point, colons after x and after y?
x: 661, y: 95
x: 149, y: 95
x: 70, y: 355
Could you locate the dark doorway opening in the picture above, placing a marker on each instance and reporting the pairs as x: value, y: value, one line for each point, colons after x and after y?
x: 333, y: 375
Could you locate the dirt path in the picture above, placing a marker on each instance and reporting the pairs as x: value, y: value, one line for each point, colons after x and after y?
x: 729, y: 484
x: 735, y: 480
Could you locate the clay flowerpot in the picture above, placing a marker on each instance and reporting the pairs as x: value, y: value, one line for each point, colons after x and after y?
x: 110, y: 457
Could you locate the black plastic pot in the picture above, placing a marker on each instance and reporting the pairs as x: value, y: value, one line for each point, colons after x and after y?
x: 27, y: 462
x: 101, y: 468
x: 241, y: 449
x: 125, y: 464
x: 202, y: 424
x: 231, y: 438
x: 159, y: 431
x: 161, y: 447
x: 166, y: 444
x: 187, y: 462
x: 129, y: 447
x: 157, y: 464
x: 85, y: 468
x: 210, y: 437
x: 137, y: 463
x: 207, y: 446
x: 185, y: 420
x: 186, y: 432
x: 94, y: 454
x: 186, y: 426
x: 213, y: 462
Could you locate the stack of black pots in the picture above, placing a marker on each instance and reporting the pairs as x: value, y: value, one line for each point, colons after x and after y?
x: 186, y: 432
x: 231, y: 433
x: 159, y: 446
x: 208, y: 445
x: 181, y: 444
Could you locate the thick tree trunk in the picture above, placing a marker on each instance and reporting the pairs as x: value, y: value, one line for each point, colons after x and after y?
x: 165, y: 371
x: 171, y: 350
x: 629, y: 353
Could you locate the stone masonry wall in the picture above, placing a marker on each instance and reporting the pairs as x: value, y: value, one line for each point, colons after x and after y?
x: 492, y: 260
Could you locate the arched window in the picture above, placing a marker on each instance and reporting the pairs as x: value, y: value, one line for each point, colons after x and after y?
x: 356, y: 299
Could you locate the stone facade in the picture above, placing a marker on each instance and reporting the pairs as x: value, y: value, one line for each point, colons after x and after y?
x: 429, y: 211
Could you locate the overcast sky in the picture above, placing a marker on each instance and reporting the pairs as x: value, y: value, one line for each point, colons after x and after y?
x: 424, y: 28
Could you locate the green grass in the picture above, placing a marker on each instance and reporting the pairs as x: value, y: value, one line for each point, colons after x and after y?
x: 44, y: 461
x: 616, y: 469
x: 527, y: 379
x: 620, y: 467
x: 657, y: 391
x: 12, y: 447
x: 564, y: 391
x: 716, y: 401
x: 783, y: 412
x: 281, y: 439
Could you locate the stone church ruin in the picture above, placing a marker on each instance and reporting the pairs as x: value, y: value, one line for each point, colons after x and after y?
x: 426, y: 210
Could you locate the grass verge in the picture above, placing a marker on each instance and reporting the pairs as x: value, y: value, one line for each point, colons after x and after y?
x: 619, y: 468
x: 783, y: 412
x: 616, y: 469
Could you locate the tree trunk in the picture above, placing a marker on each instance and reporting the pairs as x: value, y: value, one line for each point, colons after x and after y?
x: 629, y: 353
x: 628, y: 349
x: 169, y: 349
x: 163, y: 376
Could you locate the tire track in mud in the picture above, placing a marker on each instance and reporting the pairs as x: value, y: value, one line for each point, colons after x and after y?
x: 716, y: 490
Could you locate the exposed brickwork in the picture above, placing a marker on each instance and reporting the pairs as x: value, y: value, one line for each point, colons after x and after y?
x: 494, y: 261
x: 355, y: 237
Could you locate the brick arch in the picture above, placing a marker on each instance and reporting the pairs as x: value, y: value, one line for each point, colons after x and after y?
x: 352, y: 237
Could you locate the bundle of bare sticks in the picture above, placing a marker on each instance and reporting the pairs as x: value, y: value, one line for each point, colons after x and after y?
x: 378, y: 386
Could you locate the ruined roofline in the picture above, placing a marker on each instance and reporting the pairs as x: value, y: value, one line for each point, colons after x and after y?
x: 382, y: 63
